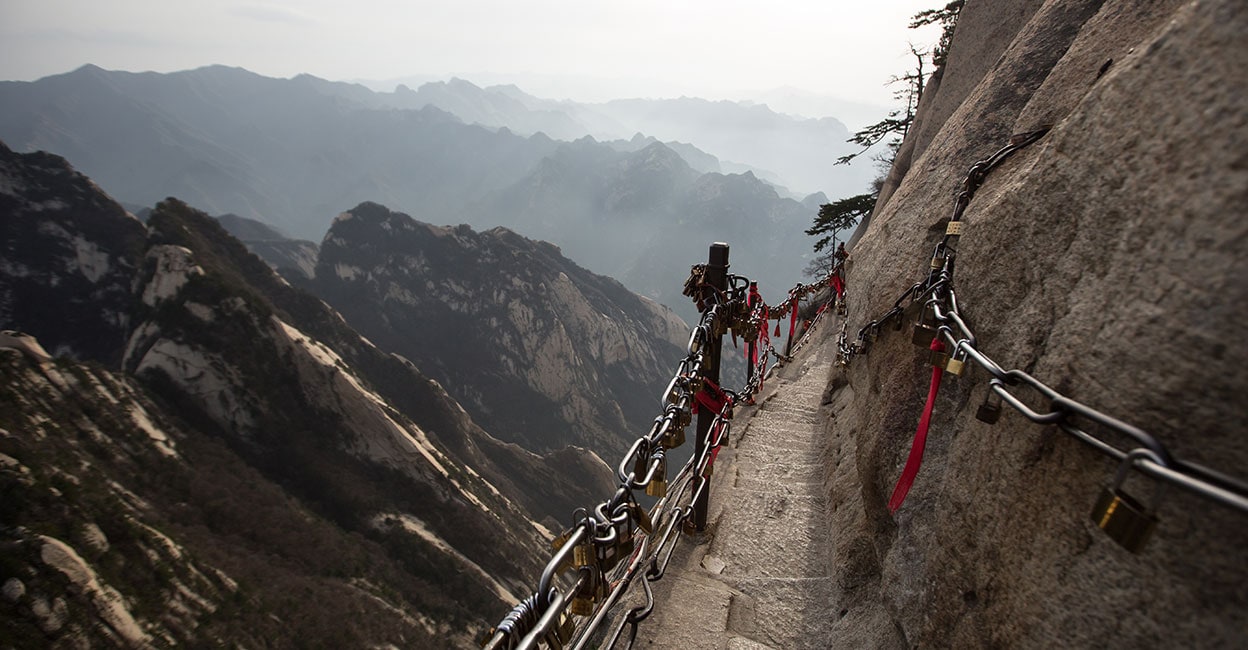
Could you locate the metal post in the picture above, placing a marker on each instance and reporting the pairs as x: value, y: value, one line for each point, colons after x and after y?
x: 716, y: 276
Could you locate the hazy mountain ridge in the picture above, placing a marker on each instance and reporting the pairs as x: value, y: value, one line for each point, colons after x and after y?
x: 645, y: 216
x: 281, y: 150
x: 222, y: 349
x: 284, y: 254
x: 540, y: 350
x: 295, y: 152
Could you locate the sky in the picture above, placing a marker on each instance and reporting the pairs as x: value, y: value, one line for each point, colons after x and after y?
x: 588, y: 50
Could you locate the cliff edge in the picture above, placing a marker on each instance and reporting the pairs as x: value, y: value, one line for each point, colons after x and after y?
x: 1107, y: 260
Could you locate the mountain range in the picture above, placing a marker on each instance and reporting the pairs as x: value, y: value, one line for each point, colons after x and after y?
x: 293, y: 153
x: 215, y: 453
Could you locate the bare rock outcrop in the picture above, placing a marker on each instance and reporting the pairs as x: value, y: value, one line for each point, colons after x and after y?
x: 1108, y: 260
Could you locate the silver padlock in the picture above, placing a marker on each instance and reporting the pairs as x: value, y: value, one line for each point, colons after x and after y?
x: 1121, y: 516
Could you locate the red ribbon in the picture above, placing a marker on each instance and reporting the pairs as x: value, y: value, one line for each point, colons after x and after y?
x: 920, y: 439
x: 792, y: 319
x: 837, y: 283
x: 712, y: 397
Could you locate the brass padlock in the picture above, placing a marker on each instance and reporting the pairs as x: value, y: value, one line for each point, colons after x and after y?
x: 588, y: 595
x: 949, y: 364
x: 562, y: 633
x: 675, y: 437
x: 657, y: 487
x: 1120, y: 515
x: 990, y: 410
x: 583, y: 554
x: 643, y: 518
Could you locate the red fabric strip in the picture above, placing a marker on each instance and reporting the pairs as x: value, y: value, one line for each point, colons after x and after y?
x: 793, y: 319
x: 712, y: 397
x: 920, y: 439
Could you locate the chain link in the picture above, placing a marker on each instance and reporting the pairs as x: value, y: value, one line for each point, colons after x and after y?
x: 610, y: 544
x: 941, y: 316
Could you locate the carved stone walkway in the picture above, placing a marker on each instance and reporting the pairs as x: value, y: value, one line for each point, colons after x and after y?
x: 762, y: 580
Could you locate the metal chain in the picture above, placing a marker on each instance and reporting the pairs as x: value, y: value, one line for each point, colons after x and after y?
x: 941, y: 316
x: 608, y: 545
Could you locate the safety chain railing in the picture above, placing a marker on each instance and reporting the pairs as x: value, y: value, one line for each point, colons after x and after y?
x: 610, y: 546
x: 941, y: 328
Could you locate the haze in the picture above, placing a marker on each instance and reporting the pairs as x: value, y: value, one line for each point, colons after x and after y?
x: 584, y: 50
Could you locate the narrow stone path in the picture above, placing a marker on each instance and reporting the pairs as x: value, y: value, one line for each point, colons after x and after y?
x: 761, y: 581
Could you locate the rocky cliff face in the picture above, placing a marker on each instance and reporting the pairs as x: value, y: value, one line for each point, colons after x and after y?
x: 539, y: 350
x: 63, y: 271
x: 1107, y: 259
x: 257, y: 392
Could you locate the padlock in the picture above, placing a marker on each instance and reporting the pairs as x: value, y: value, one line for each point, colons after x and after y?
x: 562, y: 633
x: 609, y: 555
x: 657, y: 487
x: 643, y: 518
x: 590, y: 593
x: 990, y: 410
x: 557, y: 544
x: 954, y: 228
x: 924, y: 328
x: 1120, y: 515
x: 583, y: 554
x: 938, y: 261
x: 675, y: 437
x: 951, y: 364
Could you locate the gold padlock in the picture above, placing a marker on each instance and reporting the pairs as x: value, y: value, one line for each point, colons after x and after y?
x: 657, y: 487
x: 590, y: 594
x: 562, y: 633
x: 953, y: 228
x: 675, y: 437
x: 583, y: 554
x: 1121, y: 516
x: 954, y: 366
x: 643, y: 518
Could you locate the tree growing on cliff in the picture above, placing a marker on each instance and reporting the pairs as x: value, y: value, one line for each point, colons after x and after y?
x: 838, y: 216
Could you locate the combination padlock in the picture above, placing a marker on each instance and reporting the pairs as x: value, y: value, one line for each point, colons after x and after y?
x: 1121, y: 516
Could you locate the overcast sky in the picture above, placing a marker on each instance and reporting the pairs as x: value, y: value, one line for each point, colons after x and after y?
x: 581, y: 49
